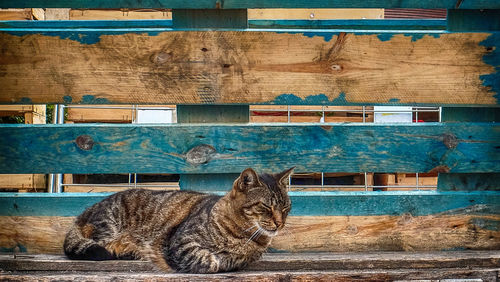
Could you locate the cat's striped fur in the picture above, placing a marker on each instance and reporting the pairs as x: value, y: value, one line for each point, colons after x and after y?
x: 185, y: 231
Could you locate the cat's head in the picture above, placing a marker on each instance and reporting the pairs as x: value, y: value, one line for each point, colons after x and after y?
x: 263, y: 199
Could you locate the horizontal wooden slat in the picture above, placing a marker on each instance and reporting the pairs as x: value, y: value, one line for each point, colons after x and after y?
x: 216, y: 148
x: 415, y: 203
x: 99, y: 64
x: 243, y: 4
x: 276, y: 262
x: 227, y: 148
x: 45, y: 234
x: 447, y: 275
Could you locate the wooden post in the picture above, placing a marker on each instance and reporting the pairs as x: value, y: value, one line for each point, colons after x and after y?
x: 210, y: 114
x: 211, y: 18
x: 469, y: 181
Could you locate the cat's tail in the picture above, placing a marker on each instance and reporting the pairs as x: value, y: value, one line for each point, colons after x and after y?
x: 79, y: 247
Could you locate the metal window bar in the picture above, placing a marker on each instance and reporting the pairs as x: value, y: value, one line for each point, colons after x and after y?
x: 364, y: 111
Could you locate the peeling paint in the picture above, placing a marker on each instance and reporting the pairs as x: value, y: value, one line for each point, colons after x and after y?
x: 91, y: 99
x: 492, y: 57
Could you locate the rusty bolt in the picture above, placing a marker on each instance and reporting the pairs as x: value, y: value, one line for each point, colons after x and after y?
x: 84, y: 142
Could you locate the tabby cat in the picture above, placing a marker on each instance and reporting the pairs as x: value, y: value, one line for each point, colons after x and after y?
x: 182, y: 230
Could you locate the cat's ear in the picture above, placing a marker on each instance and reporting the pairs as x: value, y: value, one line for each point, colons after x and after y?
x: 284, y: 176
x: 247, y: 180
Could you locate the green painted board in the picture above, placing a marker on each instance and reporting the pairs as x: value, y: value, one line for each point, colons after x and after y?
x: 228, y: 148
x: 244, y: 4
x: 303, y: 203
x: 209, y: 18
x: 468, y: 181
x: 473, y: 20
x: 207, y: 182
x: 213, y: 113
x: 470, y: 114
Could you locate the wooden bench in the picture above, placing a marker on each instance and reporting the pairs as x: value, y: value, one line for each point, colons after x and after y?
x: 212, y: 62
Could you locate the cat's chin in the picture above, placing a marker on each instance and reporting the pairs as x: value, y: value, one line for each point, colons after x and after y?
x: 270, y: 233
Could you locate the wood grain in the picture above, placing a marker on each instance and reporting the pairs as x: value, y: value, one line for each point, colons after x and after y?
x: 220, y: 67
x: 217, y: 148
x: 277, y: 262
x: 45, y: 234
x: 456, y: 274
x: 244, y: 4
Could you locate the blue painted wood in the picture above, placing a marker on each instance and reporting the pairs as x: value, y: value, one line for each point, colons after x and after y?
x: 225, y: 148
x: 209, y: 18
x: 417, y: 203
x: 244, y: 4
x: 394, y: 25
x: 468, y: 181
x: 210, y: 114
x: 473, y: 20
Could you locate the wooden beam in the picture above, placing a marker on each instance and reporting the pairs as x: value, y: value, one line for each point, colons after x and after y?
x: 15, y: 14
x: 119, y: 15
x: 456, y: 274
x: 216, y: 148
x: 45, y: 234
x: 248, y: 4
x: 322, y: 67
x: 277, y: 262
x: 315, y: 14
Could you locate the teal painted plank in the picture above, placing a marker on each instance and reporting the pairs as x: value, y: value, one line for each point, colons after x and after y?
x: 468, y: 181
x: 380, y: 24
x: 468, y: 114
x: 351, y: 24
x: 244, y: 4
x: 210, y: 114
x: 209, y: 18
x: 225, y: 148
x: 416, y: 203
x: 473, y: 20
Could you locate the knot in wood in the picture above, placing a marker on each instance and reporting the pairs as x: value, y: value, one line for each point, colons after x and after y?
x: 335, y: 67
x: 161, y: 58
x: 450, y: 140
x: 84, y: 142
x: 200, y: 154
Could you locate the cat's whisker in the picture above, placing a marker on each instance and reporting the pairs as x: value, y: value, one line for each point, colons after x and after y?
x: 256, y: 234
x: 250, y: 228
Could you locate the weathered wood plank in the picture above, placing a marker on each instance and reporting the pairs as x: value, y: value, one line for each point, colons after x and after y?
x: 216, y: 148
x: 427, y: 275
x: 45, y: 234
x: 276, y: 262
x: 415, y: 203
x: 329, y: 67
x: 248, y: 4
